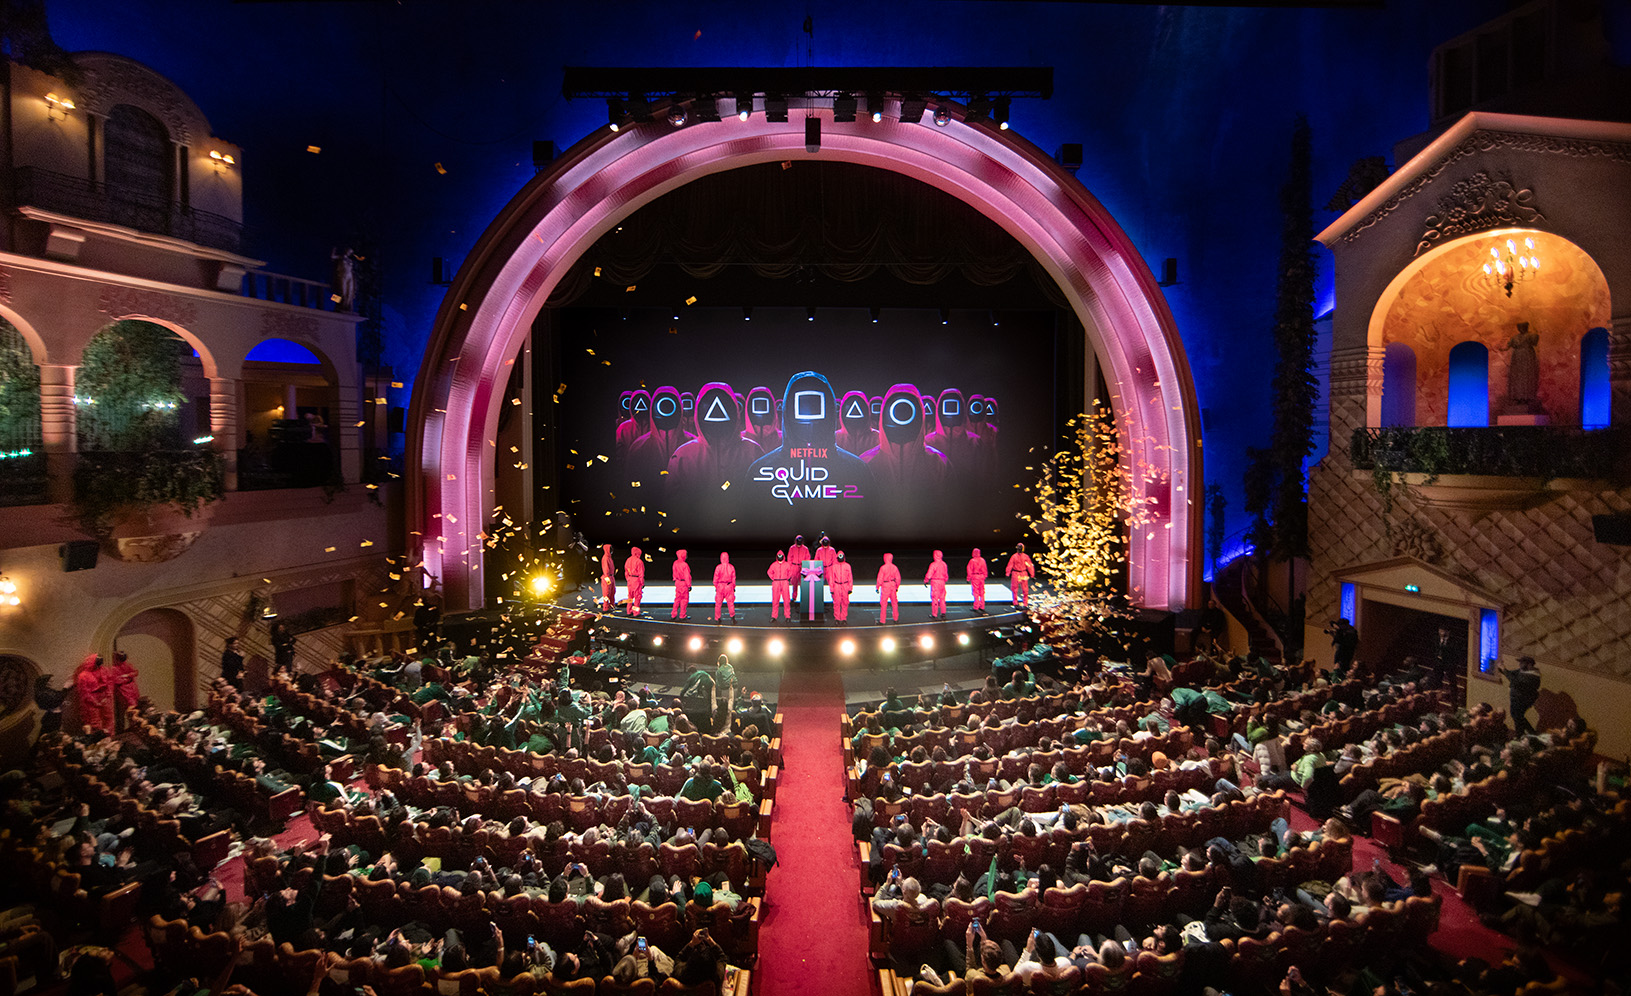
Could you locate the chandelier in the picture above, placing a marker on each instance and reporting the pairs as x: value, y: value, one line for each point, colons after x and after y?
x: 1512, y: 263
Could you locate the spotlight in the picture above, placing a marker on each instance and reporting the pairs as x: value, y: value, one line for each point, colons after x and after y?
x: 696, y: 643
x: 843, y: 107
x: 775, y: 647
x: 8, y: 592
x: 993, y: 316
x: 874, y: 103
x: 812, y: 135
x: 999, y: 112
x: 624, y: 637
x: 876, y: 313
x: 615, y: 113
x: 656, y: 641
x: 926, y: 642
x: 744, y: 106
x: 809, y: 313
x: 705, y: 108
x: 962, y: 639
x: 734, y: 645
x: 540, y: 584
x: 847, y: 648
x: 942, y: 114
x: 775, y: 107
x: 676, y: 115
x: 747, y: 312
x: 887, y: 645
x: 912, y: 107
x: 945, y: 316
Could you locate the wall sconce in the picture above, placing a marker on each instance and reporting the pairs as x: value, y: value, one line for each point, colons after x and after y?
x: 8, y: 592
x: 221, y: 159
x: 57, y: 107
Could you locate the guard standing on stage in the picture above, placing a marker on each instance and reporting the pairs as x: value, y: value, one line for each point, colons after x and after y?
x: 936, y: 578
x: 608, y: 579
x: 634, y: 572
x: 725, y: 586
x: 781, y: 574
x: 841, y: 579
x: 977, y: 572
x: 1020, y: 572
x: 888, y: 587
x: 682, y: 587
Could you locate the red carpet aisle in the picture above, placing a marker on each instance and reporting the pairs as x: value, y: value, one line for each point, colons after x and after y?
x: 812, y: 939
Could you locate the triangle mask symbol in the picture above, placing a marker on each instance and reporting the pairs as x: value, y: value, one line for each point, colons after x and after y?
x: 716, y: 411
x: 855, y: 410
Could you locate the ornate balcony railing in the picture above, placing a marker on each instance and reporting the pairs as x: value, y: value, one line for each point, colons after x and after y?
x: 1496, y: 451
x: 80, y: 198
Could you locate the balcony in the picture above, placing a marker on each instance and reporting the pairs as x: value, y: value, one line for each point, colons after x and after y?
x: 80, y: 198
x: 1490, y: 468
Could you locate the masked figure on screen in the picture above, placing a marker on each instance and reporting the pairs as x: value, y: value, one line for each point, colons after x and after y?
x: 860, y: 427
x: 725, y: 586
x: 639, y: 423
x: 902, y: 462
x: 888, y: 587
x: 936, y: 578
x: 688, y: 412
x: 1020, y: 572
x: 649, y: 455
x: 978, y: 571
x: 608, y: 579
x: 634, y: 573
x: 841, y: 581
x: 682, y: 587
x: 623, y: 401
x: 720, y: 452
x: 760, y: 413
x: 992, y: 429
x: 953, y: 436
x: 782, y: 575
x: 810, y: 464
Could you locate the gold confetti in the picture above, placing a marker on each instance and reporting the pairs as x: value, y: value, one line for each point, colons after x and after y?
x: 366, y: 543
x: 396, y: 384
x: 691, y: 300
x: 597, y: 271
x: 629, y: 289
x: 463, y: 306
x: 515, y: 401
x: 361, y: 424
x: 441, y: 169
x: 328, y: 549
x: 314, y: 149
x: 601, y: 458
x: 726, y: 487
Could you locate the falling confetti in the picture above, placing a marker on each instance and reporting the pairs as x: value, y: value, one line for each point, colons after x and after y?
x: 441, y: 169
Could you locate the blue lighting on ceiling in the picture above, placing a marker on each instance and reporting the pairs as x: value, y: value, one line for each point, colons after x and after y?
x: 281, y: 351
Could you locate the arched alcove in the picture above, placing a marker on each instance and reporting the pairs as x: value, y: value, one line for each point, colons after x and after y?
x: 22, y: 454
x: 161, y: 646
x: 289, y: 417
x: 1446, y: 297
x: 489, y: 310
x: 1398, y: 385
x: 136, y: 390
x: 1467, y: 385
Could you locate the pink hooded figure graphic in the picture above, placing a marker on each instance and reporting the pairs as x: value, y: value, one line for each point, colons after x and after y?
x: 978, y: 571
x: 888, y: 586
x: 954, y: 437
x: 858, y: 430
x: 725, y: 586
x: 93, y: 693
x: 623, y: 400
x: 936, y: 578
x: 682, y: 586
x: 762, y: 426
x: 902, y: 462
x: 649, y: 455
x: 840, y: 581
x: 782, y: 575
x: 720, y: 452
x: 639, y: 423
x: 1020, y: 572
x: 634, y: 572
x: 608, y: 579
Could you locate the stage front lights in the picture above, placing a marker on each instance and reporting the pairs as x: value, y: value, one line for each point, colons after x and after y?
x: 734, y: 645
x: 656, y: 641
x: 887, y: 645
x: 624, y: 637
x: 747, y: 312
x: 926, y: 642
x: 744, y: 106
x: 696, y: 643
x: 962, y: 639
x: 847, y: 648
x: 945, y: 316
x: 876, y: 313
x: 615, y: 113
x: 809, y: 313
x: 999, y: 112
x: 775, y: 647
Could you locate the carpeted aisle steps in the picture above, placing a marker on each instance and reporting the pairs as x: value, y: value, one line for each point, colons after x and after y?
x: 812, y: 939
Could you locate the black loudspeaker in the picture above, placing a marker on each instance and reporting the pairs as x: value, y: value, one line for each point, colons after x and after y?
x: 1614, y: 530
x: 1069, y: 156
x: 79, y: 555
x: 812, y: 134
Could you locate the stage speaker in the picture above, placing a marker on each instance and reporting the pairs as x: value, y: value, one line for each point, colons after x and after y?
x: 812, y: 135
x: 1614, y: 530
x: 79, y: 555
x: 1069, y: 156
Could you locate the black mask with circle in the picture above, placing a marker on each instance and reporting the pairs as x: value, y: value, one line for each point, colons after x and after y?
x: 902, y: 416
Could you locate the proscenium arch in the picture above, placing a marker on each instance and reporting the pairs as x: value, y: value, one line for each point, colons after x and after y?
x: 498, y: 292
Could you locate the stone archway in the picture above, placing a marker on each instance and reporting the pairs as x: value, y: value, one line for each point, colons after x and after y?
x: 489, y: 310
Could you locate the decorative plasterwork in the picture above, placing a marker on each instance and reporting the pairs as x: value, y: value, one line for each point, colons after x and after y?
x: 285, y: 325
x: 111, y: 80
x: 118, y: 302
x: 1480, y: 142
x: 5, y: 285
x: 1477, y: 204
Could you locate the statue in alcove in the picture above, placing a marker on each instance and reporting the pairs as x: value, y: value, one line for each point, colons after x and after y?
x: 1523, y: 369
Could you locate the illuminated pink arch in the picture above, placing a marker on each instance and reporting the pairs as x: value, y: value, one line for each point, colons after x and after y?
x: 489, y: 310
